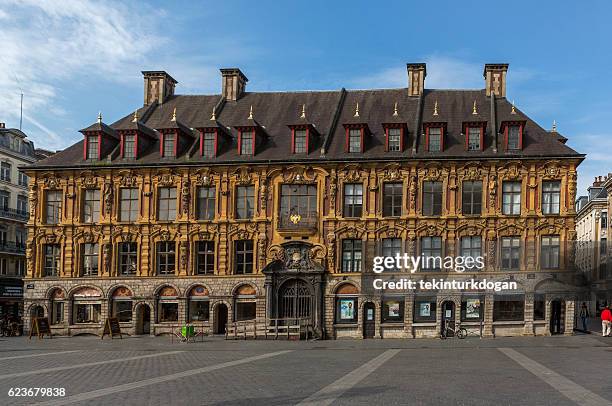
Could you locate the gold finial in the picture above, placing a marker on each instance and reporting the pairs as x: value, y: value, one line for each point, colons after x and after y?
x: 251, y: 113
x: 173, y: 115
x: 100, y: 117
x: 474, y: 111
x: 395, y: 110
x: 554, y: 127
x: 356, y: 110
x: 303, y: 115
x: 513, y: 111
x: 435, y: 113
x: 135, y: 119
x: 213, y: 117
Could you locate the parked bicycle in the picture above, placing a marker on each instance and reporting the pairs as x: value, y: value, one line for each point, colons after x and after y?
x: 452, y: 329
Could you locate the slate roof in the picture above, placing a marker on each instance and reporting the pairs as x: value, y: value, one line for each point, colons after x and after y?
x: 274, y: 112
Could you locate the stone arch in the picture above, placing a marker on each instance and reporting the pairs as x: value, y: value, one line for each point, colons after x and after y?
x: 110, y: 292
x: 191, y: 286
x: 161, y: 286
x: 52, y: 289
x: 37, y: 304
x: 78, y: 288
x: 239, y: 285
x: 346, y: 288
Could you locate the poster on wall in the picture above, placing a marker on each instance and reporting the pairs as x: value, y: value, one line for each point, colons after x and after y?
x: 424, y: 309
x: 394, y: 309
x: 347, y: 309
x: 472, y: 309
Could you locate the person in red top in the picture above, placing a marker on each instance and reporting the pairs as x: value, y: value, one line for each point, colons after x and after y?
x: 606, y: 321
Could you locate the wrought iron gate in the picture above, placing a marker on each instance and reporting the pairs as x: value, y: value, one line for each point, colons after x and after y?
x: 294, y: 300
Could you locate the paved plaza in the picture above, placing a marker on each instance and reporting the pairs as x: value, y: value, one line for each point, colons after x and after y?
x: 156, y: 371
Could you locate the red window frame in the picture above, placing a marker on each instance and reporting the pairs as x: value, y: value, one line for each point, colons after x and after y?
x: 466, y: 129
x: 209, y: 130
x: 121, y: 143
x: 442, y: 131
x: 293, y: 128
x: 85, y: 144
x: 163, y: 138
x: 402, y: 128
x: 347, y: 129
x: 508, y: 124
x: 243, y: 130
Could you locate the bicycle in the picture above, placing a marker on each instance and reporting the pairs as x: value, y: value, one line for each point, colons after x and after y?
x: 455, y: 331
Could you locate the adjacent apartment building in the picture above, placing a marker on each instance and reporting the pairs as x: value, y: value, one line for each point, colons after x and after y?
x: 15, y: 151
x: 212, y: 209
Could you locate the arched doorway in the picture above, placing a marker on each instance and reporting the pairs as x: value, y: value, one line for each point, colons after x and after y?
x: 557, y: 315
x: 295, y: 300
x: 448, y: 316
x: 220, y: 318
x: 143, y: 319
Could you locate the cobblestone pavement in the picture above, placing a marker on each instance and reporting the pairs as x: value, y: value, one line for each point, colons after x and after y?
x: 154, y: 371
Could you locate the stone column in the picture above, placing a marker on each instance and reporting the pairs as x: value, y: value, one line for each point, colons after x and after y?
x: 529, y: 303
x: 569, y: 317
x: 488, y: 316
x: 408, y: 315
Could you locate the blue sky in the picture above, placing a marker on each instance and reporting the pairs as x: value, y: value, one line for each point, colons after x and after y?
x: 74, y: 58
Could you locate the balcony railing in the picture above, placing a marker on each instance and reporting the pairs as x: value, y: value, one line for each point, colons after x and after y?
x: 295, y: 221
x: 12, y: 247
x: 14, y: 214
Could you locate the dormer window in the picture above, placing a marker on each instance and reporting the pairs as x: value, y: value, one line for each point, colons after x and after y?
x: 246, y: 142
x: 474, y: 136
x: 355, y: 140
x: 209, y: 144
x: 300, y: 141
x: 434, y: 138
x: 169, y: 145
x: 513, y: 135
x: 93, y: 146
x: 394, y: 139
x: 129, y: 146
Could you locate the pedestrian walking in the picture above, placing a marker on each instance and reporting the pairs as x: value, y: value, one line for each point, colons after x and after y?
x: 606, y: 320
x: 584, y: 315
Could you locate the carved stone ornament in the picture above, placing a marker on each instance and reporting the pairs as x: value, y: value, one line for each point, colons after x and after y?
x: 492, y: 191
x: 128, y: 179
x: 550, y: 170
x: 107, y: 255
x: 298, y: 174
x: 204, y: 177
x: 50, y: 238
x: 262, y: 242
x: 392, y: 173
x: 243, y: 176
x: 413, y: 192
x: 164, y: 235
x: 165, y: 179
x: 52, y: 182
x: 88, y: 237
x: 108, y: 198
x: 353, y: 174
x: 185, y: 198
x: 89, y: 181
x: 183, y: 257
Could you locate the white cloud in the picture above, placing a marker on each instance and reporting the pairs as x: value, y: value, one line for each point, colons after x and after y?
x: 47, y: 42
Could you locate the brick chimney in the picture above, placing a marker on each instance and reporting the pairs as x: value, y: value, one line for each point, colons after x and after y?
x: 158, y: 86
x: 416, y: 78
x: 495, y: 78
x: 233, y: 83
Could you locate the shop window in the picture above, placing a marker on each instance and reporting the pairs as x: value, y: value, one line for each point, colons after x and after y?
x: 57, y: 312
x: 346, y: 310
x: 199, y: 304
x: 245, y: 311
x: 509, y: 308
x: 424, y: 310
x: 472, y: 308
x: 393, y: 310
x: 122, y: 304
x: 168, y: 311
x: 87, y: 312
x: 539, y: 306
